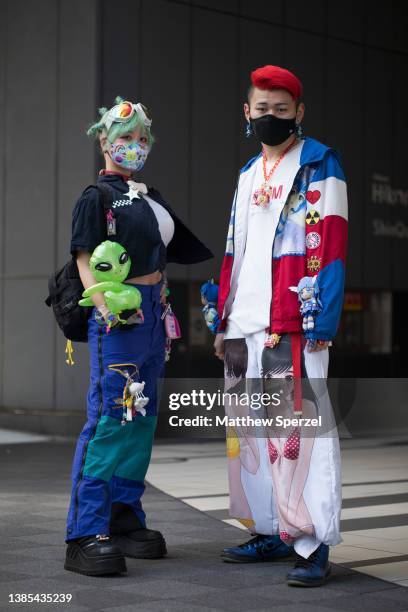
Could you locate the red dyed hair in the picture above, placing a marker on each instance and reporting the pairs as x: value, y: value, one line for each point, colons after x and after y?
x: 274, y: 77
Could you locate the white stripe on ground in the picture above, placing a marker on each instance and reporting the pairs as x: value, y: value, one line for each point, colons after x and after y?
x: 208, y: 503
x: 373, y: 511
x: 8, y: 436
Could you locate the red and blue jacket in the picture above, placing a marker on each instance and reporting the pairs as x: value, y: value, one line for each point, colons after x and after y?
x: 310, y: 239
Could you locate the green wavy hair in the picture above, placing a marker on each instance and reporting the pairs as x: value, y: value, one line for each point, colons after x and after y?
x: 120, y: 128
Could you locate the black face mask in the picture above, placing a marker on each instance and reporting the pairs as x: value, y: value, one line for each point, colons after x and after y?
x: 273, y: 131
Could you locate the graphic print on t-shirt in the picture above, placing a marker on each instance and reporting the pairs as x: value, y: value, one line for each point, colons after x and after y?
x: 135, y: 191
x: 250, y: 310
x: 290, y: 234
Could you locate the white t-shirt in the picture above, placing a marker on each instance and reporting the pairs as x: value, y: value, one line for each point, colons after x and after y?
x: 250, y: 310
x: 164, y: 220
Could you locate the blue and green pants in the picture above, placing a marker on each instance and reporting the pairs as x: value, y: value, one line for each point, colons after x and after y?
x: 111, y: 459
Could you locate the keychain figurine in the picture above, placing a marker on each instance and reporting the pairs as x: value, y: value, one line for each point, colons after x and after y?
x: 310, y: 304
x: 209, y: 299
x: 133, y: 399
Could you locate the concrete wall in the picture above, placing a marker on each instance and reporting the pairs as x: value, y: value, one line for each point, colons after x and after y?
x: 48, y: 93
x: 189, y: 63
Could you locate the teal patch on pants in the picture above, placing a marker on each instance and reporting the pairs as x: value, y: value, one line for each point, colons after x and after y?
x: 120, y: 450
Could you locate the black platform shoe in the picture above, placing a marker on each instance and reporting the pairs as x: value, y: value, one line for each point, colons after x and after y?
x: 132, y: 537
x: 94, y: 556
x: 141, y: 544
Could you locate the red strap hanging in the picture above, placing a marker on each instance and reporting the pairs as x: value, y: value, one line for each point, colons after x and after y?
x: 297, y: 372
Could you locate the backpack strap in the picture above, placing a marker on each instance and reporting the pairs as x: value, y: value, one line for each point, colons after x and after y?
x: 106, y: 193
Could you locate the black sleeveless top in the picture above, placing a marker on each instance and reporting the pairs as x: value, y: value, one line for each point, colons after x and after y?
x: 137, y: 229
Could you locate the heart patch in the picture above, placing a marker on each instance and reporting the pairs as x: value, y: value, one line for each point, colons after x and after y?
x: 313, y: 196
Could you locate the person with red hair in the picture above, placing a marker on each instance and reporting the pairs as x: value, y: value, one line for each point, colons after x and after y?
x: 288, y: 222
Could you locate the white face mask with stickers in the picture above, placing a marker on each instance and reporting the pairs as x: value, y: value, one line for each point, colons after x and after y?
x: 131, y: 156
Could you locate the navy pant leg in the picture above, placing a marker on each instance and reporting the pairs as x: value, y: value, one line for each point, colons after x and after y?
x: 111, y: 460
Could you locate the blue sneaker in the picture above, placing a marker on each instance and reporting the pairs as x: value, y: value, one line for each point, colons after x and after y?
x: 259, y: 548
x: 313, y: 571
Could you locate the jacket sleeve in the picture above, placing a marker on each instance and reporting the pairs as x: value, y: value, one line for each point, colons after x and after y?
x: 326, y: 242
x: 226, y: 269
x: 185, y: 247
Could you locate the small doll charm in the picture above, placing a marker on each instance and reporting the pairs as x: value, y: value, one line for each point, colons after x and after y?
x: 310, y: 304
x: 139, y: 399
x: 209, y: 299
x: 133, y: 399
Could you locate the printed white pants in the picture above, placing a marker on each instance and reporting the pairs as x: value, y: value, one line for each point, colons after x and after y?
x: 283, y: 481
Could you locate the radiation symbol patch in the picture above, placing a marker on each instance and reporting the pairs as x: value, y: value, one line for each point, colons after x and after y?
x: 312, y: 217
x: 314, y: 263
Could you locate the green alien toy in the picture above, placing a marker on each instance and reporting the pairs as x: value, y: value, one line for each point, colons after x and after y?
x: 110, y: 265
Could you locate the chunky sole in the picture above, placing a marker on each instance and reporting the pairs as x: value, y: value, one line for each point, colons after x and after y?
x: 98, y: 567
x: 151, y: 549
x: 227, y: 558
x: 316, y: 583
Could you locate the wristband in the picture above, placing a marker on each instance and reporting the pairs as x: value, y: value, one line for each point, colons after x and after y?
x: 103, y: 309
x: 164, y: 278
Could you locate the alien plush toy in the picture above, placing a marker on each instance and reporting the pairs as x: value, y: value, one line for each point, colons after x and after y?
x: 310, y: 304
x: 110, y: 265
x: 209, y: 298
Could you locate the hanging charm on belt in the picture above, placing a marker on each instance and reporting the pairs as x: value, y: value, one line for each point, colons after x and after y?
x: 272, y: 340
x: 167, y: 350
x: 310, y: 305
x: 171, y: 327
x: 110, y: 223
x: 133, y: 399
x: 69, y: 350
x: 297, y: 373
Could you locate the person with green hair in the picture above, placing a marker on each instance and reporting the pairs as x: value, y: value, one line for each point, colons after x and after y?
x: 113, y: 130
x: 106, y: 521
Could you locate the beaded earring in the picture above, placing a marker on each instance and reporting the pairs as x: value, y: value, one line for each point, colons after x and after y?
x: 249, y: 131
x: 299, y: 131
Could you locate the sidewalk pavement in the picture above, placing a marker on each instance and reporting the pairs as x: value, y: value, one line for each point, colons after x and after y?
x: 374, y: 518
x: 33, y: 503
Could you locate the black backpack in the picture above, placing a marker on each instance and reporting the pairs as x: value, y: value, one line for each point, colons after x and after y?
x: 65, y: 290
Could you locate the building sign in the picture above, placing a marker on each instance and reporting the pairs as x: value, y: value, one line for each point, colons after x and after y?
x: 353, y: 301
x: 386, y: 195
